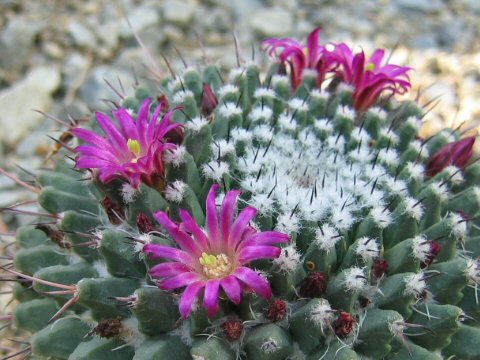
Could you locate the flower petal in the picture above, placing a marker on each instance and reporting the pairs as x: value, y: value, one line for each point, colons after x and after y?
x: 167, y: 252
x: 167, y: 269
x: 240, y: 224
x: 255, y: 252
x: 313, y: 46
x: 210, y: 298
x: 180, y: 237
x: 190, y: 225
x: 180, y: 280
x: 254, y: 281
x: 265, y: 238
x: 127, y: 123
x: 229, y: 206
x: 212, y: 219
x: 232, y: 288
x: 189, y: 298
x: 113, y: 134
x: 144, y: 110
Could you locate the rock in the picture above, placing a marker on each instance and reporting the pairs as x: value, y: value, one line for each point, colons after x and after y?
x: 131, y: 56
x: 178, y: 12
x: 18, y: 102
x: 16, y: 41
x: 140, y: 18
x: 424, y: 41
x: 74, y: 69
x: 453, y: 34
x: 172, y: 33
x: 472, y: 5
x: 109, y: 34
x: 274, y: 21
x: 290, y: 5
x: 81, y: 35
x: 96, y: 89
x: 53, y: 50
x: 10, y: 197
x: 427, y: 6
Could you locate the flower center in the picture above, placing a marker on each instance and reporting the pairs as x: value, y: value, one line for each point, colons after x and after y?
x: 215, y: 266
x: 370, y: 67
x: 134, y: 147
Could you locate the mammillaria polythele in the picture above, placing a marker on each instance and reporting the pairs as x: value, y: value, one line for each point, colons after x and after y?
x: 354, y: 237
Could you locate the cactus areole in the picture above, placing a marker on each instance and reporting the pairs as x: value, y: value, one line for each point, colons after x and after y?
x: 285, y: 212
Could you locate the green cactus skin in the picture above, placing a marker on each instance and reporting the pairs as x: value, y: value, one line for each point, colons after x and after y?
x: 420, y: 307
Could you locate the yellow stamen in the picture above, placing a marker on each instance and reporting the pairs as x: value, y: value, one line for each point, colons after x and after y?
x: 370, y: 67
x: 134, y: 146
x: 215, y: 266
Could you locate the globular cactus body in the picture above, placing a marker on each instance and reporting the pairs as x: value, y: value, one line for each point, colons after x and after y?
x: 363, y: 231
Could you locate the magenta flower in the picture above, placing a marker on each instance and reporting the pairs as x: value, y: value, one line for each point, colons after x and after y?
x: 300, y: 57
x: 456, y: 153
x: 214, y: 259
x: 370, y: 79
x: 132, y: 149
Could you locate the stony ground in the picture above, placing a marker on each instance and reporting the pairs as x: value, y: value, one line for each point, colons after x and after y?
x: 56, y: 54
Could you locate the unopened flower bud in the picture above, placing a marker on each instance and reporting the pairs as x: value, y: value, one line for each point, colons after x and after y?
x: 380, y: 267
x: 209, y: 100
x: 144, y: 224
x: 435, y: 248
x: 456, y: 153
x: 175, y: 136
x: 115, y: 212
x: 164, y: 104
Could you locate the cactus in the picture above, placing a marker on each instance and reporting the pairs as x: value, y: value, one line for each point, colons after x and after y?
x: 237, y: 217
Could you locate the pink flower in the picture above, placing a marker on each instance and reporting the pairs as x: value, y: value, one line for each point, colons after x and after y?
x: 370, y: 79
x: 300, y: 57
x: 214, y: 259
x: 132, y: 149
x: 456, y: 153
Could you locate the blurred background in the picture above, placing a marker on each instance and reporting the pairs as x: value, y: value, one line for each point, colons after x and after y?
x: 56, y: 54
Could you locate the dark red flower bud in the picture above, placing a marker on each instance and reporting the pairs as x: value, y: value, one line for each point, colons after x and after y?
x: 314, y: 285
x: 380, y: 267
x: 144, y: 224
x: 175, y: 136
x: 435, y: 248
x: 108, y: 328
x: 232, y: 329
x: 209, y: 100
x: 164, y: 104
x: 277, y: 310
x: 456, y: 153
x: 115, y: 212
x: 344, y: 324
